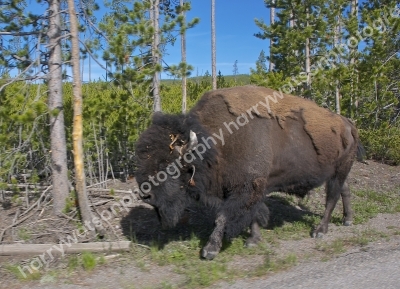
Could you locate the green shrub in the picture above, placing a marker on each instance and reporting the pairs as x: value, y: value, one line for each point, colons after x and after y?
x: 382, y: 144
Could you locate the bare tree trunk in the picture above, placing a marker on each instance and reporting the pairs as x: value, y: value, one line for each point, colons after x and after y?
x: 77, y: 132
x: 354, y: 13
x: 272, y: 22
x: 58, y: 144
x: 308, y: 62
x: 183, y: 52
x: 155, y: 14
x: 336, y: 42
x: 291, y: 21
x: 213, y: 47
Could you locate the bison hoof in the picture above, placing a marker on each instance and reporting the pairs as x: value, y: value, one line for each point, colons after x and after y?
x: 252, y: 242
x: 209, y: 255
x: 318, y: 235
x: 347, y: 223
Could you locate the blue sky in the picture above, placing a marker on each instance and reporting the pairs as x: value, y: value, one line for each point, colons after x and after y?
x: 235, y: 38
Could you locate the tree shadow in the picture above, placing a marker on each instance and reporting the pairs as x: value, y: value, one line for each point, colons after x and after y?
x: 142, y: 224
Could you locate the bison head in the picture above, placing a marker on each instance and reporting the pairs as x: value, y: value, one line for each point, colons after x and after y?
x: 173, y: 164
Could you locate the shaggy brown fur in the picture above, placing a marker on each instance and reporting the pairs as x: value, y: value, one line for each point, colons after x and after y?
x: 289, y: 144
x: 325, y: 128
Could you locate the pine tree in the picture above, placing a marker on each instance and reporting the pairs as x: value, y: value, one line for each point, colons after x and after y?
x: 77, y: 134
x: 183, y: 56
x: 235, y: 70
x: 213, y: 47
x: 183, y: 70
x: 296, y: 35
x: 261, y: 65
x: 272, y: 22
x: 31, y: 45
x: 137, y: 40
x: 55, y: 102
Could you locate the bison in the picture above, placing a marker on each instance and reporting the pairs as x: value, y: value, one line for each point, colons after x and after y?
x: 233, y: 148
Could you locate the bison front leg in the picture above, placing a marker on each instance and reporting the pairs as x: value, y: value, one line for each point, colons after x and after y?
x: 255, y: 237
x: 214, y: 244
x: 261, y: 219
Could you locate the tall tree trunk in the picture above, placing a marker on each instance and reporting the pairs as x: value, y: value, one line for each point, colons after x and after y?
x: 58, y: 144
x: 155, y: 14
x: 77, y: 132
x: 354, y: 13
x: 272, y: 22
x: 336, y: 42
x: 213, y: 47
x: 308, y: 61
x: 291, y: 21
x: 183, y: 52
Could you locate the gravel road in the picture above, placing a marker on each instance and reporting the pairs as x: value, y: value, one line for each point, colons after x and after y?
x: 374, y: 266
x: 377, y: 266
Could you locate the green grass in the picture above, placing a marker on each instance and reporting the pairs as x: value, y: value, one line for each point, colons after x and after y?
x: 14, y: 270
x: 184, y: 258
x: 368, y: 204
x: 275, y: 265
x: 204, y: 273
x: 340, y: 245
x: 293, y: 231
x: 332, y: 248
x: 184, y: 255
x: 87, y: 261
x: 24, y: 234
x: 72, y: 263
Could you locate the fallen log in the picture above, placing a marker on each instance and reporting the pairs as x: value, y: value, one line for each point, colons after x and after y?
x: 37, y: 249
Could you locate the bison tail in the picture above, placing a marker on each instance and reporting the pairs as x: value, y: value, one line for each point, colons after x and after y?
x: 361, y: 154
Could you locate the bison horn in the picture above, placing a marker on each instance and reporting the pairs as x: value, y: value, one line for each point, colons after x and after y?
x: 173, y: 139
x: 193, y: 141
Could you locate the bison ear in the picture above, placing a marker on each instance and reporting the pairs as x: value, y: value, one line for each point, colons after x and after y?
x: 193, y: 142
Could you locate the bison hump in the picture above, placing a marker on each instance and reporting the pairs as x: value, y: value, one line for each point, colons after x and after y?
x: 326, y: 129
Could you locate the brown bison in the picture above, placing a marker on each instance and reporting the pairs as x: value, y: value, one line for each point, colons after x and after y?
x: 235, y: 147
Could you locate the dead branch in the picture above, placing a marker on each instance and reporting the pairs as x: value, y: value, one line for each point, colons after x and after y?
x: 99, y: 203
x: 15, y: 222
x: 108, y: 223
x: 98, y: 184
x: 5, y: 33
x: 37, y: 202
x: 35, y: 249
x: 68, y: 217
x: 16, y: 216
x: 27, y: 186
x: 99, y: 190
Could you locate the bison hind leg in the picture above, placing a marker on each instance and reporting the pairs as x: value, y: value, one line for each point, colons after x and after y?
x: 347, y: 212
x: 335, y: 188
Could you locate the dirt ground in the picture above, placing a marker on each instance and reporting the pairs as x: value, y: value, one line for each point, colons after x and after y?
x: 140, y: 224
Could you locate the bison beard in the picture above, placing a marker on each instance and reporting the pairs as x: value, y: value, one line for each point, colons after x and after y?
x: 255, y: 145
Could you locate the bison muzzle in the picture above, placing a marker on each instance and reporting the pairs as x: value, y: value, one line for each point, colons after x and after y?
x: 236, y: 146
